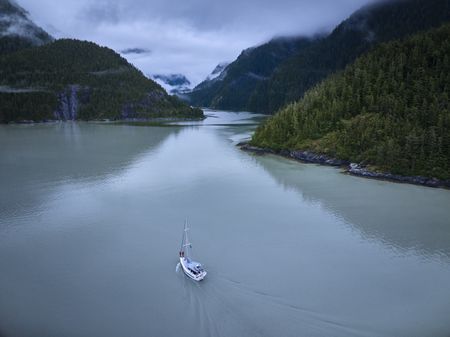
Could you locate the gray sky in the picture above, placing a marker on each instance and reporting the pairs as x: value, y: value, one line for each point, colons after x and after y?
x: 186, y: 36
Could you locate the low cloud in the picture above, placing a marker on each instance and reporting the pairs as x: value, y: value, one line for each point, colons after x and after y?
x: 135, y: 50
x: 19, y: 25
x: 188, y: 37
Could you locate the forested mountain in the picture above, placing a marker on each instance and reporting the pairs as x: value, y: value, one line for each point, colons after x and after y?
x: 390, y: 109
x: 380, y: 22
x: 71, y: 79
x: 285, y: 79
x: 232, y: 89
x: 17, y: 31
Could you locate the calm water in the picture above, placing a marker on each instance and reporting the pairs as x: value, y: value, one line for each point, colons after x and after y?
x: 91, y: 219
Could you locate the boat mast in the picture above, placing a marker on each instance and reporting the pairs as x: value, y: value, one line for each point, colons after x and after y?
x: 182, y: 239
x: 187, y: 244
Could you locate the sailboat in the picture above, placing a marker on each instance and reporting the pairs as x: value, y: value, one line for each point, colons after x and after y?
x: 191, y: 268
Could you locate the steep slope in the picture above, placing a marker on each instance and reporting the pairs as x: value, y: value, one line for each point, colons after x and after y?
x: 71, y: 79
x: 232, y: 89
x: 217, y: 75
x: 389, y: 109
x: 367, y: 27
x: 217, y: 71
x: 203, y: 93
x: 17, y: 31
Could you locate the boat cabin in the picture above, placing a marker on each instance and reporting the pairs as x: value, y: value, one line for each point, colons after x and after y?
x: 194, y: 267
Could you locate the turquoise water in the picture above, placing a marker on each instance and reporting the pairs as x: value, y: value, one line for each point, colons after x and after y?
x: 91, y: 217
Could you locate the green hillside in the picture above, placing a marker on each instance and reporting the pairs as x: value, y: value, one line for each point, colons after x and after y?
x: 381, y: 22
x: 71, y: 79
x: 390, y: 109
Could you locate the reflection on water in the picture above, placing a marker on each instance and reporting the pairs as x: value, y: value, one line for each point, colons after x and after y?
x: 36, y: 157
x: 290, y: 249
x: 405, y: 216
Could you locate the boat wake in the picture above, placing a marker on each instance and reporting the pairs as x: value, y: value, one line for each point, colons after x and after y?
x: 177, y: 268
x: 229, y: 298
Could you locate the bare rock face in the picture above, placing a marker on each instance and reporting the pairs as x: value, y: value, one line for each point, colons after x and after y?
x: 69, y: 102
x: 351, y: 168
x: 363, y: 171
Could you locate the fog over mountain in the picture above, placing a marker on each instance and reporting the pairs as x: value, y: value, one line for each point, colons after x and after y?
x: 175, y: 84
x: 15, y: 23
x: 190, y: 38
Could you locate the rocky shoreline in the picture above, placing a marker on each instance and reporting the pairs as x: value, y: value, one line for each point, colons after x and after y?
x: 350, y: 168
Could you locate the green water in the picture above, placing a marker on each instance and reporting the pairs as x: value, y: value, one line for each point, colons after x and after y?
x: 91, y: 217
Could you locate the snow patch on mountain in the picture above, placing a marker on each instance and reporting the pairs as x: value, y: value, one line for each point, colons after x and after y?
x: 218, y: 71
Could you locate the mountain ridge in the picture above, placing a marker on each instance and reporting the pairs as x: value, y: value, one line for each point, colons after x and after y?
x: 323, y: 55
x: 363, y: 30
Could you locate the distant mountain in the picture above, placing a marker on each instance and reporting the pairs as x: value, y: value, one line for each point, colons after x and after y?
x: 373, y: 24
x: 389, y: 110
x: 218, y: 70
x: 217, y: 75
x: 71, y: 79
x: 231, y: 85
x: 17, y: 31
x: 175, y: 84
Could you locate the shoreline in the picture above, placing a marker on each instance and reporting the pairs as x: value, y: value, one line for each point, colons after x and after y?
x: 134, y: 121
x: 353, y: 169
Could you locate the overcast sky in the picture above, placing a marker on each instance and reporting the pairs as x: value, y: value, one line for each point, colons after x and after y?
x: 186, y: 36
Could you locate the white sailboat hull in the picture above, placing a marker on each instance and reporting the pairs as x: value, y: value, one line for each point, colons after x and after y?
x: 184, y: 262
